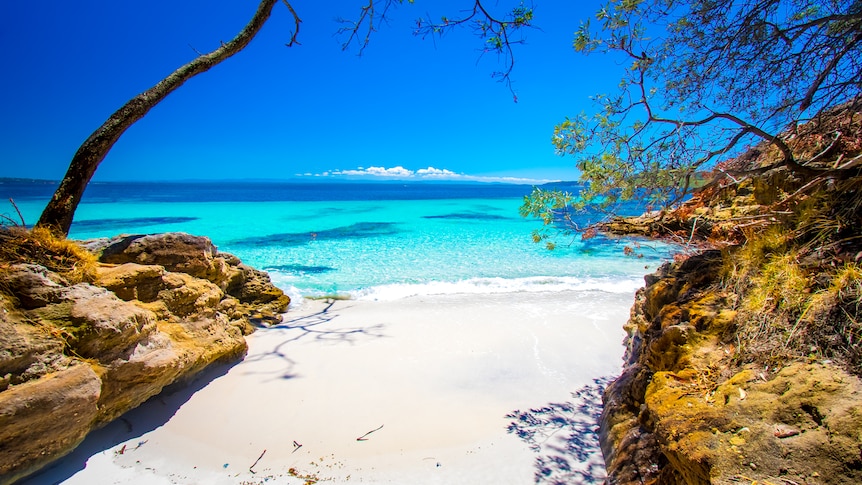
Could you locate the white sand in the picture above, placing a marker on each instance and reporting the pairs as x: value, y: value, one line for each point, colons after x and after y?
x: 439, y: 374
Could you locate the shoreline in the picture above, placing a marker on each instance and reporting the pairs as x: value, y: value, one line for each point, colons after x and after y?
x: 416, y: 390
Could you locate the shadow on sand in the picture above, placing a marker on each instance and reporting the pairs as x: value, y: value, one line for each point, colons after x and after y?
x: 312, y: 326
x: 130, y: 428
x: 565, y: 437
x: 150, y: 415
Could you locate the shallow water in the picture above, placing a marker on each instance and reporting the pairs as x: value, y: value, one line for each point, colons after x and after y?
x: 372, y: 241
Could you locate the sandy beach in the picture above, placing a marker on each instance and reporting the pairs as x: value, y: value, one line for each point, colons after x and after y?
x: 419, y: 390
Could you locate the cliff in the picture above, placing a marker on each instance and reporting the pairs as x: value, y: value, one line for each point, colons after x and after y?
x: 687, y: 411
x: 743, y: 361
x: 83, y: 340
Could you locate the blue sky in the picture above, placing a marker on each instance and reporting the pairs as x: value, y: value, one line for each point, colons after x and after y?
x: 407, y: 107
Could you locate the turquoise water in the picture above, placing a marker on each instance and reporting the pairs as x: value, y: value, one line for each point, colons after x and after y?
x: 361, y: 240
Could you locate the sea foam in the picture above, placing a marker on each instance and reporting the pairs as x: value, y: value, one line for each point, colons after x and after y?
x: 483, y: 286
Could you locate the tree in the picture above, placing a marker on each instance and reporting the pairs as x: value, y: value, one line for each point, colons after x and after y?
x: 61, y: 208
x: 703, y: 81
x: 60, y: 211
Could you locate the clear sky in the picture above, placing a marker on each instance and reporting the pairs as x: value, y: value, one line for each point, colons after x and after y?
x: 273, y: 112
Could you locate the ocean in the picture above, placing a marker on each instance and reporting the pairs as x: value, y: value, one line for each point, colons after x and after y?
x: 377, y: 241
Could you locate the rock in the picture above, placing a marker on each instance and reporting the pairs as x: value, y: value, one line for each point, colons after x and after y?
x: 34, y: 286
x: 682, y: 413
x: 629, y: 448
x: 73, y: 357
x: 95, y: 323
x: 192, y: 255
x: 26, y: 351
x: 132, y: 281
x: 45, y: 419
x: 255, y: 287
x: 184, y: 295
x: 176, y: 251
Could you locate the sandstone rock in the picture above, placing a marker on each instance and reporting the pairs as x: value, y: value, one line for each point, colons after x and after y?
x: 96, y: 323
x: 630, y: 450
x: 34, y: 286
x: 44, y: 419
x: 680, y: 414
x: 192, y: 255
x: 132, y: 281
x: 255, y: 287
x: 177, y: 351
x: 184, y: 295
x: 177, y: 252
x: 158, y: 314
x: 27, y: 352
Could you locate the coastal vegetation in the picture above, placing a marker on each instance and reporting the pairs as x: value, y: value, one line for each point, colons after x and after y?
x: 749, y: 113
x: 737, y: 127
x: 703, y: 81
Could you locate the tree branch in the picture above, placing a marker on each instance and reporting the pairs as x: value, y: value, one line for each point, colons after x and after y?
x: 59, y: 212
x: 812, y: 90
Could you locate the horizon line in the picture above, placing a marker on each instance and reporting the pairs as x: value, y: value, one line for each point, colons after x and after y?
x: 322, y: 179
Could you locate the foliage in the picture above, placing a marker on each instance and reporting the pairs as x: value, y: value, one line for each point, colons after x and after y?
x: 497, y: 28
x: 498, y: 32
x: 702, y: 81
x: 551, y: 206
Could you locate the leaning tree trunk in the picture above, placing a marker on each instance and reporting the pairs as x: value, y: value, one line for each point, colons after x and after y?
x: 60, y: 210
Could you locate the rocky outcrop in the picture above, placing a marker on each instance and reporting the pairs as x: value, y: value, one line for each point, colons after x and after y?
x: 684, y: 411
x: 75, y: 356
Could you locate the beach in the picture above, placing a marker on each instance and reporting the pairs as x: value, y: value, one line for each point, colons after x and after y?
x: 451, y: 388
x: 450, y: 354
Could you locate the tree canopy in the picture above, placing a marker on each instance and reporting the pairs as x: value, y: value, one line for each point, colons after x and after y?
x: 702, y: 80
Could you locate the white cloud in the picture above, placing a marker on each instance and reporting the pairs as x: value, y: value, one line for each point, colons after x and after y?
x: 398, y: 171
x: 431, y: 173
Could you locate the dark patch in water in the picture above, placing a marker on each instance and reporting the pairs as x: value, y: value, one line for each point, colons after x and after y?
x: 474, y: 216
x: 104, y: 224
x: 334, y: 210
x: 354, y: 231
x: 300, y: 268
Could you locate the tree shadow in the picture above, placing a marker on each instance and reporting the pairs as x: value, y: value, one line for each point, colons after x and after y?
x: 150, y: 415
x: 565, y: 437
x: 158, y: 410
x: 312, y: 326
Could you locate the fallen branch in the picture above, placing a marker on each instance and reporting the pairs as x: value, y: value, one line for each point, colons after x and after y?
x: 255, y: 462
x: 362, y: 438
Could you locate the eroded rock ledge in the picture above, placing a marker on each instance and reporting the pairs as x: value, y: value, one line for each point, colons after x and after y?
x: 76, y: 356
x: 683, y: 412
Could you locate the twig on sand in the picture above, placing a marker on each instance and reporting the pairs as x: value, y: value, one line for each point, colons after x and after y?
x: 362, y: 438
x: 296, y: 446
x: 255, y: 462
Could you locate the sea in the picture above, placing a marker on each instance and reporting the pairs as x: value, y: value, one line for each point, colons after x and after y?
x: 360, y: 240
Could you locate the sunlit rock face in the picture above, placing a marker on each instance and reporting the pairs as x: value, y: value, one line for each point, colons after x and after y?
x: 685, y: 412
x: 74, y: 357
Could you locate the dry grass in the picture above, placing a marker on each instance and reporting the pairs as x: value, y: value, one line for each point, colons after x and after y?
x: 788, y: 310
x: 40, y: 246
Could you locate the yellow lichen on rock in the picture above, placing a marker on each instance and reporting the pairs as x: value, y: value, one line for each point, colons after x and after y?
x: 75, y: 355
x: 690, y: 410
